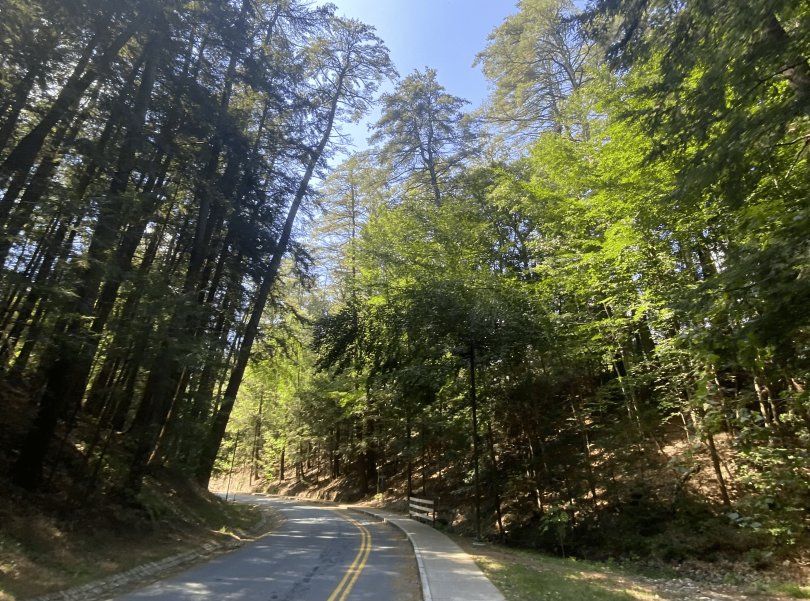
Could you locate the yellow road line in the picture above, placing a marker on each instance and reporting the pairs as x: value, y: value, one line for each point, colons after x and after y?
x: 357, y: 565
x: 362, y: 563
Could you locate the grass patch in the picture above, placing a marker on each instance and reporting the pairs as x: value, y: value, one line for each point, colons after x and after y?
x: 527, y: 575
x: 521, y: 583
x: 791, y: 590
x: 626, y: 567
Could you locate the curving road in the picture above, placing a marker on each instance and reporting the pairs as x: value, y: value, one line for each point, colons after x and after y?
x: 318, y: 554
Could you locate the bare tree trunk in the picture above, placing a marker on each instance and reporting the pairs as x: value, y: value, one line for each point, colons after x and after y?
x: 717, y: 471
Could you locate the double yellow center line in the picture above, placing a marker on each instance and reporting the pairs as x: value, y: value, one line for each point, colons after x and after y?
x: 345, y: 586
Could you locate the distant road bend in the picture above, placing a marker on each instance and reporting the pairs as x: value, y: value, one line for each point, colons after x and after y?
x: 318, y: 554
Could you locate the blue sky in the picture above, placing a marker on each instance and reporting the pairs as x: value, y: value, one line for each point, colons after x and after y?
x: 441, y: 34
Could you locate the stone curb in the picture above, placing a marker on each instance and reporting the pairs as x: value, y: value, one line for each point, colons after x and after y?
x: 426, y: 596
x: 111, y: 584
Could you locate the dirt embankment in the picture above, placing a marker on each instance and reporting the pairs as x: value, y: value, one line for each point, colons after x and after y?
x: 44, y: 548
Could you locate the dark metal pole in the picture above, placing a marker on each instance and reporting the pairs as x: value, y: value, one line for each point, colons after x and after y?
x: 408, y: 447
x: 233, y: 460
x: 475, y: 444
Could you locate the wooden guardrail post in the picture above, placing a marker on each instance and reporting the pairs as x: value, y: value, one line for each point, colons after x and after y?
x: 424, y: 509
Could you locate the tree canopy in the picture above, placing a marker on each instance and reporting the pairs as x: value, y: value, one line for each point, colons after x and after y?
x: 627, y: 286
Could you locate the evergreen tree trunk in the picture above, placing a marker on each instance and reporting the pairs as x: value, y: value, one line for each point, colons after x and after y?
x: 67, y: 377
x: 21, y: 94
x: 21, y: 159
x: 214, y: 440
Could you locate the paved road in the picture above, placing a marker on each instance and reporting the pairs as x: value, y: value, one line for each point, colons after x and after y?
x: 318, y: 554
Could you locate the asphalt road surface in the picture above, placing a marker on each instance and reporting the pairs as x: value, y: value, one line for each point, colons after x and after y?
x: 318, y: 554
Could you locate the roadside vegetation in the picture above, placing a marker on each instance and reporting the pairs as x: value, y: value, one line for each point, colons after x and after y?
x: 608, y: 260
x: 523, y: 575
x: 44, y: 549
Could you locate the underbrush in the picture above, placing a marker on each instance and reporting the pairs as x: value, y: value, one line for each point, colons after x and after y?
x: 669, y: 534
x: 48, y: 544
x: 524, y: 575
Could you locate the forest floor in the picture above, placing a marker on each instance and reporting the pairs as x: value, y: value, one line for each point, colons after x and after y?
x: 42, y: 551
x: 523, y: 575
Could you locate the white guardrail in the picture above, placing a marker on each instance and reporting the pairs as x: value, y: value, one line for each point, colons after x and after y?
x: 423, y: 509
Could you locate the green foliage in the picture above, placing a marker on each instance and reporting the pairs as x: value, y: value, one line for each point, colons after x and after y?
x: 424, y: 132
x: 638, y: 273
x: 538, y: 60
x: 556, y: 519
x: 793, y: 590
x: 152, y: 503
x: 630, y: 280
x: 154, y: 156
